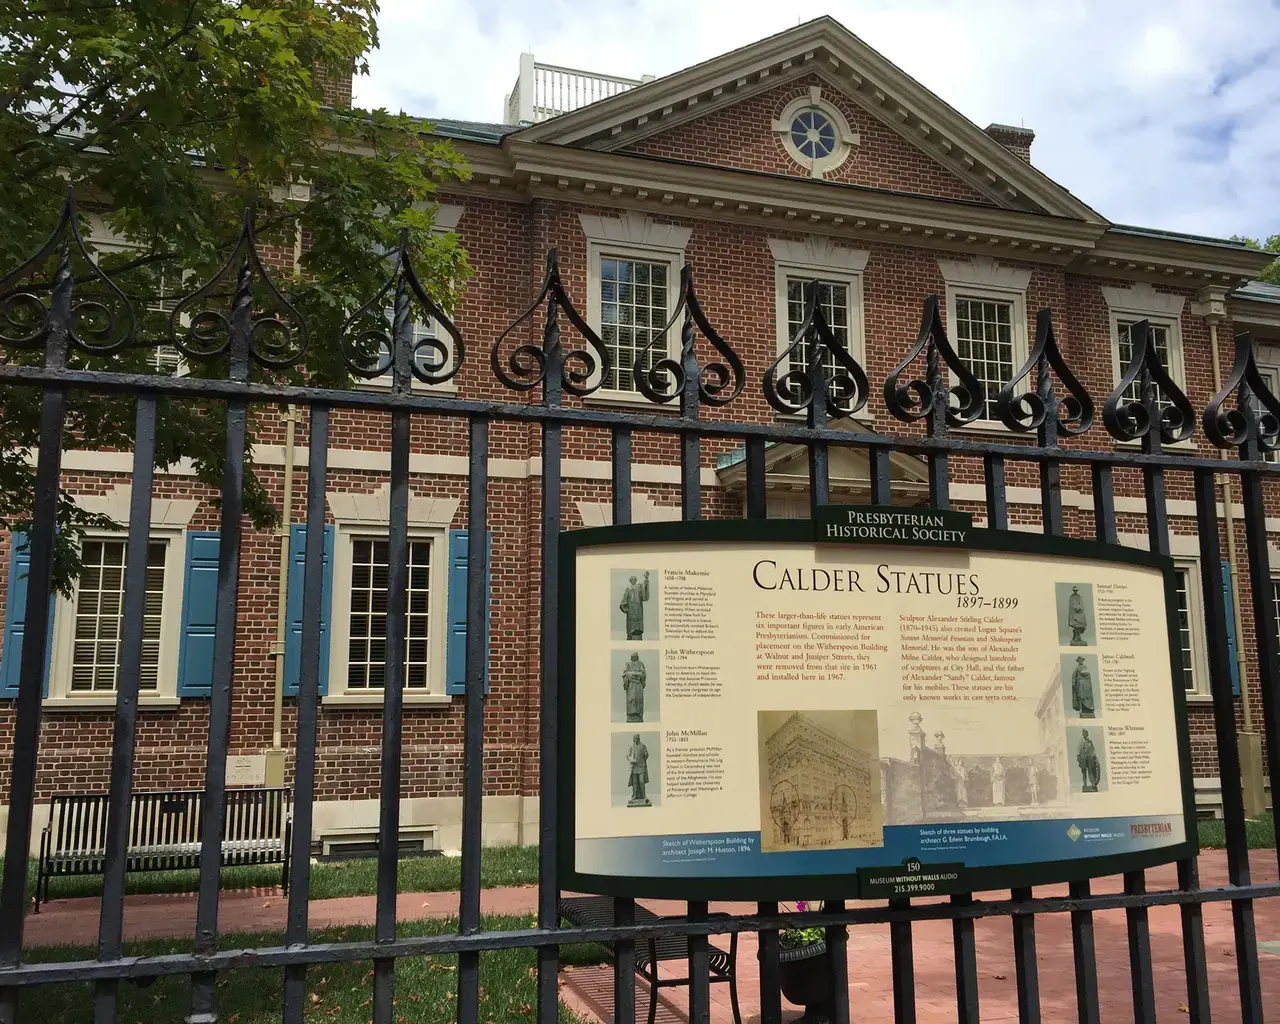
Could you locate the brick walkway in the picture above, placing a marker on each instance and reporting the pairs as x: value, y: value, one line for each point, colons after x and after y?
x: 590, y: 990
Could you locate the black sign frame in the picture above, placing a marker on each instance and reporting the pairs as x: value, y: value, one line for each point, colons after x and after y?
x: 754, y: 888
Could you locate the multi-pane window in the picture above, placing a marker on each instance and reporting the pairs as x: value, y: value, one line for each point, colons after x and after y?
x: 370, y: 569
x: 167, y: 287
x: 1271, y: 377
x: 1124, y: 348
x: 984, y: 340
x: 633, y: 311
x: 99, y: 617
x: 1275, y: 600
x: 1183, y: 577
x: 424, y: 357
x: 833, y: 298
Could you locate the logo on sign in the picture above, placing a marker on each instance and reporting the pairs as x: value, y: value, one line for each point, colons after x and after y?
x: 1074, y: 833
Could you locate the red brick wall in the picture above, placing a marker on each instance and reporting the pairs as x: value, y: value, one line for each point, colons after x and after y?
x: 742, y: 136
x: 506, y: 242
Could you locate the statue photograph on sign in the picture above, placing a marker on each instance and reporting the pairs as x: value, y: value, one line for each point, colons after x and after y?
x: 635, y: 769
x: 633, y: 684
x: 1085, y: 747
x: 1081, y: 686
x: 819, y: 780
x: 1076, y: 624
x: 633, y: 604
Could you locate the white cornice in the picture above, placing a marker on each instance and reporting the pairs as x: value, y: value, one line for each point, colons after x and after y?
x: 1143, y: 298
x: 635, y: 228
x: 818, y: 251
x: 984, y: 272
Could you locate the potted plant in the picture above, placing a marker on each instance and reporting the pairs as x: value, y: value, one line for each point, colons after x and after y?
x: 802, y: 960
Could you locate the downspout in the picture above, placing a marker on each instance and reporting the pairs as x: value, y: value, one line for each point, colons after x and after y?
x: 1250, y: 742
x: 275, y: 756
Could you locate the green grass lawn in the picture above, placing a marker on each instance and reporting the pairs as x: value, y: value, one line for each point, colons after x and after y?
x: 499, y: 866
x: 1261, y: 833
x: 426, y: 987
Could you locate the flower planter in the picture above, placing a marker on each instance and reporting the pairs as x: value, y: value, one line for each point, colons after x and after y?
x: 806, y: 981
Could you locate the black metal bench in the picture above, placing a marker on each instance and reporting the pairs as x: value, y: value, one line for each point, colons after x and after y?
x: 164, y: 833
x: 597, y: 912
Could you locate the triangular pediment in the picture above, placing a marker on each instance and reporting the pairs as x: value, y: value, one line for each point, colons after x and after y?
x: 822, y: 53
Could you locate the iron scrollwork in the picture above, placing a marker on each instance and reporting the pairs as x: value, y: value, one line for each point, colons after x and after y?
x: 844, y: 390
x: 719, y: 382
x: 582, y: 370
x: 1160, y: 401
x: 369, y: 343
x: 274, y: 339
x: 919, y: 399
x: 1029, y: 410
x: 97, y: 325
x: 1256, y: 418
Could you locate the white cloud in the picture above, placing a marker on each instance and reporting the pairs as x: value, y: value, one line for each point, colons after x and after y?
x: 1162, y: 113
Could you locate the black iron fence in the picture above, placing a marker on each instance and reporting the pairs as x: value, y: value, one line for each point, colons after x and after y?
x: 259, y: 333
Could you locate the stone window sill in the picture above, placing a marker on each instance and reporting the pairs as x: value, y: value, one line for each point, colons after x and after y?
x: 374, y: 700
x: 107, y: 702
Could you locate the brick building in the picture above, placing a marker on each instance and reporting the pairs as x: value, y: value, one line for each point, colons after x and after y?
x: 804, y: 156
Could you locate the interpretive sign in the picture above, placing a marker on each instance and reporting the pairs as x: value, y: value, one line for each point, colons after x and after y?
x: 873, y: 698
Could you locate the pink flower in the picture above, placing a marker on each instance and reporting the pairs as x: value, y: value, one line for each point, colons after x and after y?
x: 802, y: 906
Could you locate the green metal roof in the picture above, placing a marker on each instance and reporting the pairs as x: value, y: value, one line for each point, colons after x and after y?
x: 1180, y: 236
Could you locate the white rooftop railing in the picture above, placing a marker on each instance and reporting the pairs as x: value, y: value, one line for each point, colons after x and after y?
x: 544, y: 91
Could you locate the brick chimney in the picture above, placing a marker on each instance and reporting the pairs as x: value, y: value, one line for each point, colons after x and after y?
x: 336, y: 88
x: 1016, y: 140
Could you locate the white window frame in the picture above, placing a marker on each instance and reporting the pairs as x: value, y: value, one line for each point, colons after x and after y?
x: 1195, y: 619
x: 174, y: 537
x: 102, y: 239
x: 1267, y: 358
x: 817, y: 258
x: 632, y: 236
x: 983, y: 279
x: 1142, y: 302
x: 446, y: 221
x: 359, y: 516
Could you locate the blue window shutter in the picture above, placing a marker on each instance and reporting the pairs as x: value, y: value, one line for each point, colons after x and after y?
x: 1231, y: 628
x: 456, y: 644
x: 293, y: 611
x: 199, y: 610
x: 15, y: 619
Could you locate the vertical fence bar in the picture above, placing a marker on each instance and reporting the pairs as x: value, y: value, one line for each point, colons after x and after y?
x: 964, y: 950
x: 128, y: 681
x: 1224, y: 720
x: 26, y: 729
x: 757, y: 492
x: 304, y: 783
x: 1139, y: 931
x: 838, y: 963
x: 214, y: 808
x: 768, y: 951
x: 477, y: 651
x: 997, y: 493
x: 903, y: 967
x: 624, y: 908
x: 1265, y: 626
x: 879, y: 467
x: 549, y: 704
x: 691, y: 511
x: 1083, y: 947
x: 393, y: 683
x: 1024, y: 962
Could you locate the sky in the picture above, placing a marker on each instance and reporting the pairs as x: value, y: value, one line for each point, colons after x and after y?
x: 1160, y: 113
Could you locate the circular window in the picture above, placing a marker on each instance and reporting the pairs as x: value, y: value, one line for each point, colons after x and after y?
x: 813, y: 134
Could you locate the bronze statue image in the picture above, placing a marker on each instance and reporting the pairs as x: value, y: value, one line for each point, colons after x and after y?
x: 638, y: 772
x: 1082, y: 700
x: 632, y: 606
x: 1087, y: 759
x: 1076, y: 620
x: 633, y: 683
